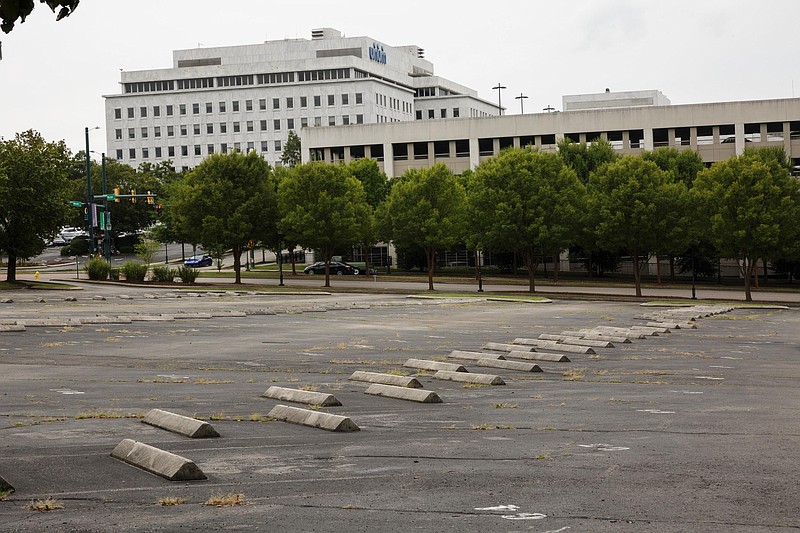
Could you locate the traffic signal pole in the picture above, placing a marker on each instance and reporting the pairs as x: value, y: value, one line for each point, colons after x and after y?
x: 89, y: 196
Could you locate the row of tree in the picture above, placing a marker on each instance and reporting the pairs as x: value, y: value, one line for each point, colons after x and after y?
x: 533, y: 204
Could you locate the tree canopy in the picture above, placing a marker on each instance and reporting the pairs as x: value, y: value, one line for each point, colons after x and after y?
x: 527, y: 202
x: 291, y: 155
x: 13, y: 10
x: 33, y: 195
x: 324, y: 208
x: 227, y: 201
x: 425, y: 209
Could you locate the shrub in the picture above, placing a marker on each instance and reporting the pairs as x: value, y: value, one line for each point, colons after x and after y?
x: 77, y: 246
x: 134, y: 271
x: 114, y: 273
x: 164, y: 274
x: 97, y: 268
x: 188, y: 274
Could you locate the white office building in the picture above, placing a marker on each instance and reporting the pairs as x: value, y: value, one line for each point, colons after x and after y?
x: 249, y: 97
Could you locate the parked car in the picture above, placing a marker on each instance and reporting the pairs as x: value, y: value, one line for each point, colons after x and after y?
x: 199, y: 261
x: 67, y: 233
x: 336, y: 267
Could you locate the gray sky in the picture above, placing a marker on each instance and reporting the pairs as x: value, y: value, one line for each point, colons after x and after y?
x: 53, y: 74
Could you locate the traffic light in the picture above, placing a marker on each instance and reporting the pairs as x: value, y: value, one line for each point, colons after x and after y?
x: 133, y: 196
x: 158, y: 210
x: 116, y: 194
x: 150, y: 198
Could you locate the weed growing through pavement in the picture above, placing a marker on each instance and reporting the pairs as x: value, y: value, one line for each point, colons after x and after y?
x: 574, y: 374
x: 213, y: 382
x: 543, y: 457
x: 171, y: 500
x: 225, y: 500
x: 505, y: 406
x: 48, y: 504
x: 107, y: 414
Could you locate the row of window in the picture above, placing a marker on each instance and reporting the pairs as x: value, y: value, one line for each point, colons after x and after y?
x: 240, y: 80
x: 235, y: 127
x: 442, y: 113
x: 197, y: 150
x: 222, y: 107
x: 392, y: 103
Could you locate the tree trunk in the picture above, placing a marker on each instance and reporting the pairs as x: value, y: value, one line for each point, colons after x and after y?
x: 754, y: 273
x: 237, y: 263
x: 530, y: 265
x: 11, y: 272
x: 430, y: 254
x: 658, y: 270
x: 637, y: 274
x: 672, y: 268
x: 477, y: 266
x: 365, y: 253
x: 748, y: 271
x: 556, y: 266
x: 766, y: 272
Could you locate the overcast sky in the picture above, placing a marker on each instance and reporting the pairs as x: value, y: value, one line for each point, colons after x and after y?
x: 53, y: 75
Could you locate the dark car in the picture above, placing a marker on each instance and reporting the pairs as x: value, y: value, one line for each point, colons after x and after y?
x: 336, y: 267
x: 199, y: 261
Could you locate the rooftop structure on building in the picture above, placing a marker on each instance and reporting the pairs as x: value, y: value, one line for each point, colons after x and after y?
x: 608, y: 100
x: 249, y: 97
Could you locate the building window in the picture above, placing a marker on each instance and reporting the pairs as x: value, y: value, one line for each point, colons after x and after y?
x: 251, y: 147
x: 118, y: 134
x: 184, y: 150
x: 223, y: 127
x: 262, y: 104
x: 170, y: 131
x: 236, y: 127
x: 197, y: 149
x: 182, y: 109
x: 237, y: 147
x: 263, y: 125
x: 359, y: 119
x: 419, y: 114
x: 132, y: 153
x: 456, y: 113
x: 157, y: 132
x: 317, y: 101
x: 264, y: 146
x: 130, y: 112
x: 236, y: 105
x: 119, y: 155
x: 249, y: 125
x: 223, y: 148
x: 431, y: 113
x: 156, y: 111
x: 158, y: 152
x: 359, y: 98
x: 276, y: 124
x: 209, y: 107
x: 169, y: 110
x: 304, y: 122
x: 222, y: 107
x: 443, y: 113
x: 276, y: 103
x: 289, y: 123
x: 184, y: 130
x: 331, y: 121
x: 303, y: 101
x: 210, y: 149
x: 248, y: 105
x: 170, y: 151
x: 345, y: 99
x: 196, y: 129
x: 131, y: 133
x: 277, y: 146
x: 318, y: 121
x: 195, y: 109
x: 118, y: 115
x: 289, y: 103
x: 209, y: 128
x: 145, y: 153
x: 345, y: 119
x: 331, y: 99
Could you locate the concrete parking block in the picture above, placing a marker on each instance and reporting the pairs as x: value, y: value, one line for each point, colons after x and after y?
x: 100, y: 319
x: 386, y: 379
x: 301, y: 396
x: 596, y: 336
x: 469, y: 377
x: 228, y: 314
x: 474, y: 356
x: 47, y: 323
x: 403, y: 393
x: 538, y: 356
x: 192, y: 316
x: 509, y: 365
x: 672, y: 325
x: 157, y: 461
x: 578, y: 341
x: 553, y: 345
x: 426, y: 364
x: 647, y: 330
x: 12, y: 328
x: 151, y: 318
x: 500, y: 347
x: 182, y: 425
x: 314, y: 419
x: 5, y: 486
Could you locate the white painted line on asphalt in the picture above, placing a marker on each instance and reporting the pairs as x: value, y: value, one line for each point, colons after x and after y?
x: 734, y: 358
x: 720, y: 366
x: 172, y: 376
x: 67, y: 391
x: 709, y: 377
x: 686, y: 392
x: 524, y: 516
x: 655, y: 411
x: 605, y: 447
x: 499, y: 508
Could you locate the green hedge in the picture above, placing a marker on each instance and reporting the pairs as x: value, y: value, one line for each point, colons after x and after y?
x: 134, y: 271
x: 97, y: 269
x: 188, y: 274
x: 164, y: 274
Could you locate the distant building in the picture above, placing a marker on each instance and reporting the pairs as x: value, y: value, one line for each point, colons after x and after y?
x: 249, y: 97
x: 631, y: 122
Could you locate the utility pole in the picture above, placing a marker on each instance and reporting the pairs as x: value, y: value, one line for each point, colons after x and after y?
x: 521, y: 99
x: 499, y: 88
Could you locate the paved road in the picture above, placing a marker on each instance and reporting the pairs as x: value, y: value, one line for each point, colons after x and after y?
x: 694, y: 430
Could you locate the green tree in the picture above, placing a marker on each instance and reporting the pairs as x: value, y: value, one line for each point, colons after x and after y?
x: 751, y: 206
x: 527, y: 202
x: 291, y: 156
x: 13, y: 10
x: 586, y: 158
x: 684, y: 165
x: 426, y: 209
x: 632, y: 203
x: 227, y: 200
x: 33, y: 195
x: 376, y: 187
x: 324, y: 208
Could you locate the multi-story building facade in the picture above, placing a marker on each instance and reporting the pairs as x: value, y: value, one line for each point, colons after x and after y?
x: 631, y: 122
x: 249, y: 97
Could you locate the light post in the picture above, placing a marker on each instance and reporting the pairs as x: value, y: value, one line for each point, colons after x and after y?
x: 521, y: 99
x: 499, y: 88
x: 549, y: 109
x: 480, y: 275
x: 89, y: 195
x: 106, y: 221
x: 694, y: 277
x: 280, y: 267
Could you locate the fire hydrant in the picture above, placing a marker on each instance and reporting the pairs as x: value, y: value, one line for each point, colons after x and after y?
x: 37, y: 275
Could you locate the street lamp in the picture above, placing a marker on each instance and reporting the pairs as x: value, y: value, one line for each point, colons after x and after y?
x: 498, y: 88
x: 549, y: 109
x: 521, y: 99
x: 89, y: 195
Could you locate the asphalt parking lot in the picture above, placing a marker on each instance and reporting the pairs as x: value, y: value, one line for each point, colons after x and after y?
x: 693, y: 430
